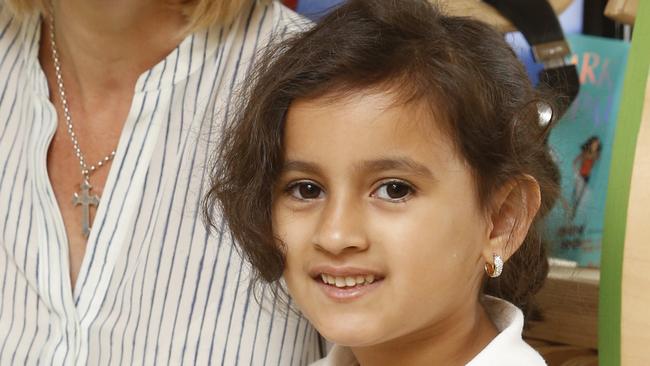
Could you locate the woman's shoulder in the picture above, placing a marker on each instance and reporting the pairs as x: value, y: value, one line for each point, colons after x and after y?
x: 16, y: 29
x: 18, y: 37
x: 269, y: 18
x: 289, y: 21
x: 7, y: 19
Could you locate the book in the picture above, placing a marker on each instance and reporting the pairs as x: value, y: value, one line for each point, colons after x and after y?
x: 581, y: 144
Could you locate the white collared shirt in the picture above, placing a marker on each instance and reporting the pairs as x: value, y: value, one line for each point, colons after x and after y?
x: 154, y: 287
x: 506, y: 349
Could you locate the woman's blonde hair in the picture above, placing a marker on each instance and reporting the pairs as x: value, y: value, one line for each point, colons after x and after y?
x: 203, y: 13
x: 200, y: 13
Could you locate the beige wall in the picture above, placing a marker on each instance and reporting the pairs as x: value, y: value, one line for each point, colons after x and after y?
x: 635, y: 317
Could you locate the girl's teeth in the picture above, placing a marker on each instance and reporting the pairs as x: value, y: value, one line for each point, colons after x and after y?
x: 331, y: 280
x: 347, y: 281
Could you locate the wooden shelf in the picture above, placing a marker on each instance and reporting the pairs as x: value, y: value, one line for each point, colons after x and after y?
x: 569, y: 304
x: 562, y: 355
x: 575, y: 274
x: 567, y: 334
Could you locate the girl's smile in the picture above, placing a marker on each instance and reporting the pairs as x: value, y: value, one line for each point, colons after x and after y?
x: 343, y: 284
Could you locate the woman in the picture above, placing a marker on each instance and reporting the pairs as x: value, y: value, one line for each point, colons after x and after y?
x: 106, y: 113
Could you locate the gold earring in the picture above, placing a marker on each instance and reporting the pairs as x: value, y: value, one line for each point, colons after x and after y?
x: 494, y: 269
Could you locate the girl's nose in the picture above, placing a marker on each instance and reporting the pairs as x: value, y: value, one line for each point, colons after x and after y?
x: 341, y: 228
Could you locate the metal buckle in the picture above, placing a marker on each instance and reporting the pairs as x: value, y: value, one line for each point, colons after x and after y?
x: 551, y: 54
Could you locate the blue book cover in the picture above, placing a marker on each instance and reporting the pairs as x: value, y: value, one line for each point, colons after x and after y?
x: 582, y: 145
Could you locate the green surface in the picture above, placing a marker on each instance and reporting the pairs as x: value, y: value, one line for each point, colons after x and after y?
x: 629, y: 120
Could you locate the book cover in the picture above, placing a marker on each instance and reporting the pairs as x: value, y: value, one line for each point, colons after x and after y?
x: 582, y: 145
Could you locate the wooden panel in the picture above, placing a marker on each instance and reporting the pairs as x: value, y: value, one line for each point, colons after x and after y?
x: 569, y: 304
x: 563, y: 355
x: 635, y: 314
x: 623, y: 11
x: 479, y: 10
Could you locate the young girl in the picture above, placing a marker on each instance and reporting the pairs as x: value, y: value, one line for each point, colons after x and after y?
x: 390, y: 165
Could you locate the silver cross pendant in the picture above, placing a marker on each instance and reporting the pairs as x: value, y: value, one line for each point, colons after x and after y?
x: 85, y: 200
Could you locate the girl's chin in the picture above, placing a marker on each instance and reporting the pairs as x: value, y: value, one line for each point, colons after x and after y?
x: 348, y: 336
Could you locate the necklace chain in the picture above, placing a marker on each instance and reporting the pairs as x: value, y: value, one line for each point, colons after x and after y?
x: 85, y: 169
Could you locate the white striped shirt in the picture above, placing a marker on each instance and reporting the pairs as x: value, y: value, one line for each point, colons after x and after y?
x: 154, y: 286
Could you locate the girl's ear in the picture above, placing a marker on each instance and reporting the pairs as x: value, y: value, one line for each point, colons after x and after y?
x: 514, y: 208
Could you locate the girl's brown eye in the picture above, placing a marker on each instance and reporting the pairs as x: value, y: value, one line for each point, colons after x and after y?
x: 309, y: 191
x: 305, y: 191
x: 395, y: 191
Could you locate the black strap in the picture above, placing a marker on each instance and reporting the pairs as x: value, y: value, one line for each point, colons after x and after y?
x: 538, y: 23
x: 534, y: 18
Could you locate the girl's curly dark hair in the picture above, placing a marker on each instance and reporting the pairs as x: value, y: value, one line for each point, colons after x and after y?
x: 462, y: 69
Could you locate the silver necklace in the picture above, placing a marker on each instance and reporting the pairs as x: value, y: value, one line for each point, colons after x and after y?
x: 83, y: 198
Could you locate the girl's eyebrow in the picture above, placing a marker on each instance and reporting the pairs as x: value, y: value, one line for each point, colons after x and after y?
x: 300, y: 166
x: 397, y: 163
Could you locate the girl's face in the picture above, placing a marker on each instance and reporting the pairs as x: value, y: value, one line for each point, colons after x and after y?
x: 380, y: 219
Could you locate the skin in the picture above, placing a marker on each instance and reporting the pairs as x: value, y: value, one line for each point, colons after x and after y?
x: 373, y: 185
x: 104, y: 46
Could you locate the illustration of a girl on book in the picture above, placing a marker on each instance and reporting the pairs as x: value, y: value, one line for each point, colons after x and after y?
x: 583, y: 166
